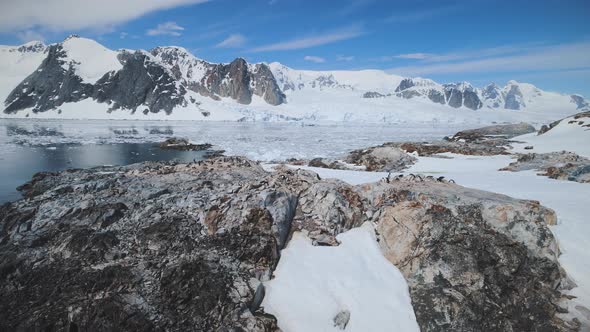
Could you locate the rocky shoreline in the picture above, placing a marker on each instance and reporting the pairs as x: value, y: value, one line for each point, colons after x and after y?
x: 165, y: 246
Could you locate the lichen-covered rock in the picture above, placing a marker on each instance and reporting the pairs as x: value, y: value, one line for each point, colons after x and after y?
x: 164, y: 246
x: 474, y: 261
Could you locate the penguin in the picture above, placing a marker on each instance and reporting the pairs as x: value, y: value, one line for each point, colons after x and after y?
x: 451, y: 181
x: 440, y: 179
x: 318, y: 176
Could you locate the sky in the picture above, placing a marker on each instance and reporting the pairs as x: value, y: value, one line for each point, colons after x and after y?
x: 544, y: 42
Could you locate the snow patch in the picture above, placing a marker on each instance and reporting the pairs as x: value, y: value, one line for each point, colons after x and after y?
x: 313, y: 285
x: 90, y: 59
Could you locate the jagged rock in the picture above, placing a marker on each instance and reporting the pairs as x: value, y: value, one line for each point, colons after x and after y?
x: 494, y: 131
x: 462, y: 94
x: 514, y: 99
x: 405, y: 84
x: 235, y: 80
x: 49, y: 86
x: 556, y: 165
x: 381, y: 158
x: 580, y: 102
x: 373, y: 94
x: 141, y: 82
x: 165, y: 246
x: 341, y: 319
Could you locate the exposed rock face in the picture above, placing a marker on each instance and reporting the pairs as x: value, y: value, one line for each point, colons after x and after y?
x: 582, y: 119
x: 405, y: 84
x: 493, y: 94
x: 158, y: 246
x: 42, y: 89
x: 580, y: 102
x: 373, y: 94
x: 141, y: 83
x: 240, y: 81
x: 514, y: 99
x: 556, y: 165
x: 462, y: 94
x: 453, y: 94
x: 474, y: 263
x: 153, y: 82
x: 495, y: 131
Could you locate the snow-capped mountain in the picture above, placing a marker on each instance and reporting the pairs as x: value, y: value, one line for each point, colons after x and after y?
x: 81, y: 78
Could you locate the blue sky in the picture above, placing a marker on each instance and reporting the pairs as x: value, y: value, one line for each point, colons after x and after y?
x: 545, y: 42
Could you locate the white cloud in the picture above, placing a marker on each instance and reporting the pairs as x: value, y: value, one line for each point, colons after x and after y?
x: 62, y: 15
x: 344, y: 58
x: 168, y: 28
x: 414, y: 56
x: 312, y: 41
x: 525, y: 59
x: 313, y: 58
x: 421, y: 14
x: 233, y: 41
x: 30, y: 35
x: 123, y: 35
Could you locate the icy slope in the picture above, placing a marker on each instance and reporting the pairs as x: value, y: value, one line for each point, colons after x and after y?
x: 570, y: 134
x: 89, y: 59
x: 18, y: 62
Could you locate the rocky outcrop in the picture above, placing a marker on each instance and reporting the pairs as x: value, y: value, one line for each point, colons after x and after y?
x: 582, y: 119
x: 381, y: 159
x: 493, y: 132
x: 473, y: 260
x: 514, y: 99
x: 50, y: 86
x: 163, y: 246
x: 141, y: 83
x: 373, y: 94
x: 149, y: 81
x: 556, y: 165
x: 462, y: 94
x: 453, y: 94
x: 183, y: 144
x: 239, y: 81
x: 581, y: 103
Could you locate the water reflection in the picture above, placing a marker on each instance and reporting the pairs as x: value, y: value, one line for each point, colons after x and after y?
x: 18, y: 165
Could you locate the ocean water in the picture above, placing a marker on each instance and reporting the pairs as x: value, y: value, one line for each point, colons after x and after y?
x: 30, y: 146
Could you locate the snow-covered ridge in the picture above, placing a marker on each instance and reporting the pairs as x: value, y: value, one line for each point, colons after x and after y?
x: 90, y: 60
x: 243, y: 91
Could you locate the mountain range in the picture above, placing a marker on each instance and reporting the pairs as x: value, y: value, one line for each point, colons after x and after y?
x: 81, y: 78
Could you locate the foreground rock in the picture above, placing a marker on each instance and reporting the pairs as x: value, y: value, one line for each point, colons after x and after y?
x: 158, y: 246
x: 556, y: 165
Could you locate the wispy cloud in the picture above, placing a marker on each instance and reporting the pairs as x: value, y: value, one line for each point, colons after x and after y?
x: 313, y: 58
x: 168, y: 28
x: 419, y: 15
x: 233, y: 41
x: 504, y: 59
x: 414, y: 56
x: 58, y: 15
x: 312, y: 41
x: 344, y: 58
